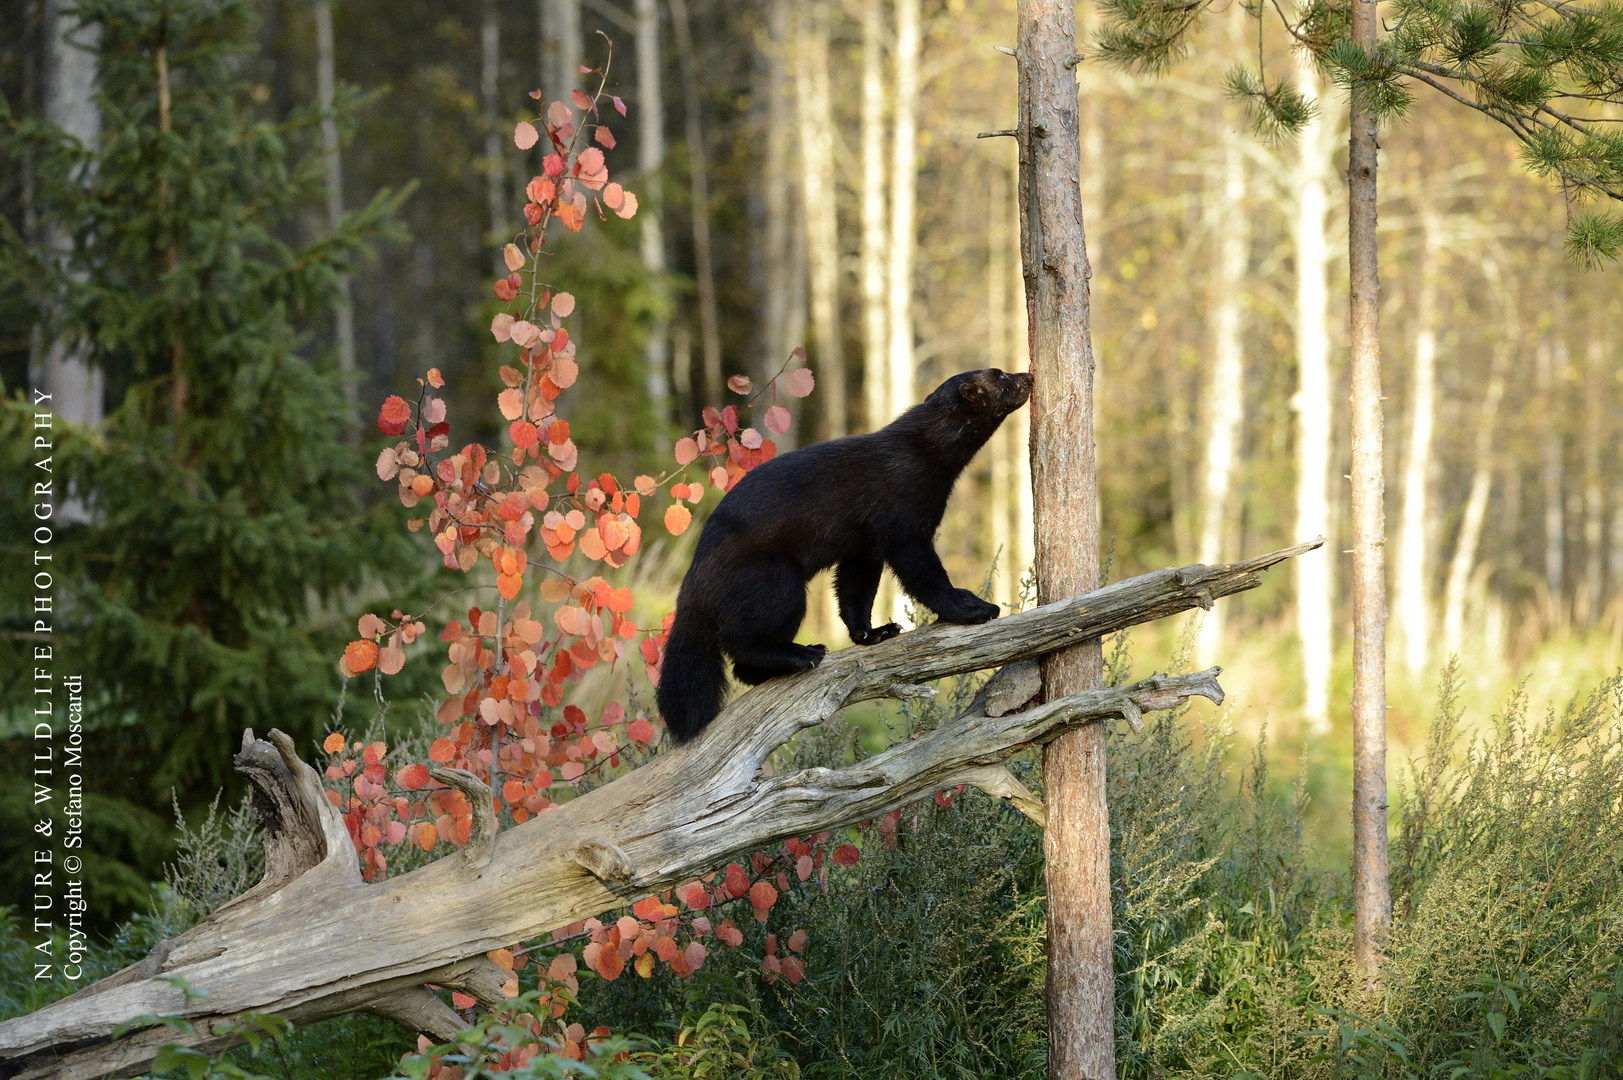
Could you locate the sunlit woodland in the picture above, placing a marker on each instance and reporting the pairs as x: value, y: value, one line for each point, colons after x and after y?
x: 276, y: 262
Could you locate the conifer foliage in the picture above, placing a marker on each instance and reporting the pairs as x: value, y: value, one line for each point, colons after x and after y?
x: 219, y: 508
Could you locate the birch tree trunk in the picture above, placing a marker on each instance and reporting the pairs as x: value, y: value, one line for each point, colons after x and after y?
x: 1372, y: 897
x: 770, y: 197
x: 1076, y: 842
x: 1226, y: 396
x: 1551, y: 478
x: 650, y: 163
x: 699, y: 183
x: 560, y: 47
x: 816, y: 118
x: 326, y: 87
x: 903, y: 188
x: 62, y: 367
x: 1476, y: 504
x: 1315, y: 581
x: 1596, y: 400
x: 490, y: 41
x: 876, y: 342
x: 1413, y: 601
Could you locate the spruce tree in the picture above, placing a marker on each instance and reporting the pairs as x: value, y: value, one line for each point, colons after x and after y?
x: 203, y: 587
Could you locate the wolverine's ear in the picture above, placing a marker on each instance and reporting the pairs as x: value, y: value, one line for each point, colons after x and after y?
x: 976, y: 392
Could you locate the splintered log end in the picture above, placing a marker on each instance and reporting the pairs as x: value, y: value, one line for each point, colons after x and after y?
x: 1000, y: 783
x: 419, y: 1010
x: 604, y: 860
x: 291, y: 806
x: 482, y: 833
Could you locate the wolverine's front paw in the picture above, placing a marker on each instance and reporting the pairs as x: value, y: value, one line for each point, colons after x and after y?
x: 816, y: 654
x: 877, y: 634
x: 969, y: 609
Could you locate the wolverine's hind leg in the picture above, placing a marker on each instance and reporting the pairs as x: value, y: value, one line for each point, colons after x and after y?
x: 763, y: 614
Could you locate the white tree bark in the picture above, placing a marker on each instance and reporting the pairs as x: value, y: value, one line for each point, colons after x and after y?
x: 313, y: 940
x: 650, y: 163
x: 997, y: 352
x: 1548, y: 361
x: 1460, y: 567
x: 490, y: 42
x: 560, y: 47
x: 61, y: 366
x: 876, y: 341
x: 699, y: 185
x: 1597, y: 400
x: 326, y: 86
x: 1413, y: 588
x: 770, y: 235
x: 1315, y: 573
x: 1226, y: 396
x: 903, y: 188
x: 816, y: 117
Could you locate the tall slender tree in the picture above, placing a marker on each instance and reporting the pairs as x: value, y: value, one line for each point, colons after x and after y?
x: 326, y: 84
x: 651, y: 219
x: 903, y: 191
x: 1413, y: 581
x: 876, y: 340
x: 816, y: 122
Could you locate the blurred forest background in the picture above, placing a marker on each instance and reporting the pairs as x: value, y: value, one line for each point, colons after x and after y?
x: 811, y: 174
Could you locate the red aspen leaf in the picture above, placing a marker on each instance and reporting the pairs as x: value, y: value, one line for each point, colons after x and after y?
x: 333, y: 743
x: 524, y: 137
x: 609, y: 964
x: 458, y: 998
x: 803, y: 867
x: 571, y: 770
x: 572, y: 218
x: 558, y: 114
x: 505, y: 290
x: 580, y: 98
x: 737, y: 883
x: 628, y: 206
x: 589, y: 163
x: 739, y: 384
x: 666, y: 948
x: 442, y: 750
x: 508, y: 585
x: 649, y: 908
x: 540, y: 190
x: 604, y: 136
x: 778, y: 419
x: 694, y: 954
x: 799, y: 382
x: 426, y: 835
x: 750, y: 438
x: 677, y: 519
x: 797, y: 941
x: 793, y: 969
x: 621, y: 106
x: 613, y: 195
x: 369, y: 626
x: 523, y: 433
x: 393, y: 657
x: 728, y: 934
x: 763, y: 895
x: 621, y: 600
x: 435, y: 379
x: 422, y: 486
x: 562, y: 967
x: 686, y: 451
x: 845, y: 855
x: 563, y: 304
x: 412, y: 777
x: 554, y: 589
x: 361, y: 656
x: 394, y: 415
x: 729, y: 418
x: 552, y: 165
x: 513, y: 257
x: 645, y: 965
x: 718, y: 478
x: 694, y: 895
x: 388, y: 465
x: 640, y: 730
x: 501, y: 327
x: 434, y: 411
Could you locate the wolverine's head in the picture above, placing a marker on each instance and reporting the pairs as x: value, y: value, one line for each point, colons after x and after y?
x: 989, y: 393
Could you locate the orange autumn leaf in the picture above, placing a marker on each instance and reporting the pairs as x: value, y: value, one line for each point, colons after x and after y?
x: 333, y: 743
x: 361, y: 656
x: 394, y: 415
x: 677, y: 519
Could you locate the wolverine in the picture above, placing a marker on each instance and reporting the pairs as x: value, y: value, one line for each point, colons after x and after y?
x: 858, y: 503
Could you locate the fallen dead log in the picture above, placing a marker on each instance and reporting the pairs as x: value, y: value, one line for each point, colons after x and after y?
x: 312, y: 940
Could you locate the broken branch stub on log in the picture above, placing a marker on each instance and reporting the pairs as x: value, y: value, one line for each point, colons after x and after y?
x: 313, y: 940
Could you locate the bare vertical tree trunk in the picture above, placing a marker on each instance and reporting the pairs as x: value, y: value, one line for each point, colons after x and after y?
x: 560, y: 47
x: 1372, y: 897
x: 62, y: 367
x: 1226, y: 396
x: 822, y: 211
x: 698, y: 176
x: 1315, y: 582
x: 1595, y: 410
x: 1551, y: 470
x: 326, y: 86
x: 1076, y: 841
x: 997, y: 353
x: 1413, y: 599
x: 1476, y: 504
x: 650, y: 162
x: 876, y: 342
x: 773, y: 233
x: 903, y: 187
x: 490, y: 40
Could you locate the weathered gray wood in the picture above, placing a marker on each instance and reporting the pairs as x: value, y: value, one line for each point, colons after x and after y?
x: 326, y: 943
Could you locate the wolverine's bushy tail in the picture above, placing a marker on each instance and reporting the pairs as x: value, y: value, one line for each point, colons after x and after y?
x: 692, y: 680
